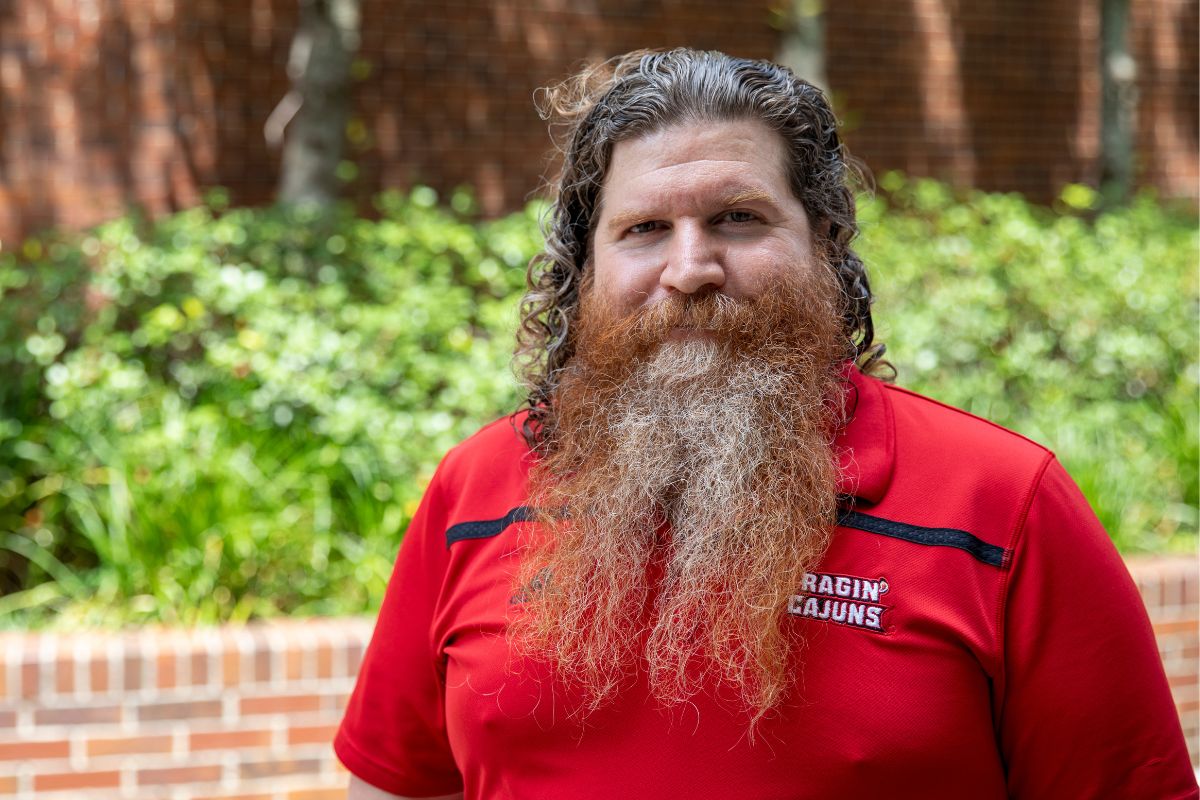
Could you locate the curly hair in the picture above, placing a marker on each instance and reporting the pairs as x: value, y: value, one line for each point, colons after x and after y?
x: 637, y: 94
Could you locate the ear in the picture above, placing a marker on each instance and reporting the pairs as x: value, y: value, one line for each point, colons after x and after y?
x: 822, y: 227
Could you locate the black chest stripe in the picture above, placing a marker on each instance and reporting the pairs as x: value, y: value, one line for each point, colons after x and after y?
x: 485, y: 529
x: 942, y: 537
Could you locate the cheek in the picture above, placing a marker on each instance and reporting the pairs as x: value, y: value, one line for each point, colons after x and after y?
x: 756, y: 269
x: 624, y: 283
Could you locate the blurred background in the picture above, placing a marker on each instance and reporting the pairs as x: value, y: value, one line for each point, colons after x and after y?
x: 259, y: 268
x: 116, y: 103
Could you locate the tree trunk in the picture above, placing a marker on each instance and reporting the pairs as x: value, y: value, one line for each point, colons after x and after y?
x: 1118, y: 112
x: 802, y: 45
x: 316, y: 110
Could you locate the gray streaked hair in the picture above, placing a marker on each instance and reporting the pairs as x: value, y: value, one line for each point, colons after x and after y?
x: 645, y: 91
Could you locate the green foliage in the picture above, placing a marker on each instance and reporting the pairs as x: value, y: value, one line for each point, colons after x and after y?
x: 232, y: 413
x: 226, y: 415
x: 1078, y: 331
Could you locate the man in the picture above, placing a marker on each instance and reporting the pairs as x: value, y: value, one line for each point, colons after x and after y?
x: 715, y: 558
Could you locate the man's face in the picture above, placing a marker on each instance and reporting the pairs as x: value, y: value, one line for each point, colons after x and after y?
x: 698, y: 207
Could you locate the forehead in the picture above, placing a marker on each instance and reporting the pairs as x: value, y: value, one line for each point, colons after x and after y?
x: 690, y: 162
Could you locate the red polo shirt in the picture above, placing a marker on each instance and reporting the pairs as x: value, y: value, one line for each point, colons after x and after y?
x: 971, y: 632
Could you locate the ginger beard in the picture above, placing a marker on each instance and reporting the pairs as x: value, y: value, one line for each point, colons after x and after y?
x: 688, y: 484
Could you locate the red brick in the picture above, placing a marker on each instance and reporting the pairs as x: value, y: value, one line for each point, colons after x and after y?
x: 1168, y: 588
x: 1176, y: 626
x: 133, y: 673
x: 31, y: 677
x: 64, y: 676
x: 242, y: 797
x: 312, y: 734
x: 126, y: 745
x: 229, y: 740
x: 76, y: 780
x: 166, y: 775
x: 324, y: 661
x: 8, y: 784
x: 354, y: 656
x: 1185, y: 679
x: 231, y: 665
x: 76, y: 715
x: 8, y: 719
x: 269, y: 769
x: 166, y: 671
x: 338, y: 793
x: 57, y: 748
x: 188, y: 709
x: 294, y: 667
x: 281, y: 704
x: 262, y: 664
x: 200, y: 674
x: 98, y: 675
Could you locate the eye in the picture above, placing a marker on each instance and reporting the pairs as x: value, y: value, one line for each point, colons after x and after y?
x: 643, y: 227
x: 739, y: 217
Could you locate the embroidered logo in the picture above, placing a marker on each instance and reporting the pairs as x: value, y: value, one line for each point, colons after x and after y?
x: 843, y: 599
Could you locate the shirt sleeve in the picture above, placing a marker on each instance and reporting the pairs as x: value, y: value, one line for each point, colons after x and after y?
x: 1086, y: 710
x: 393, y: 734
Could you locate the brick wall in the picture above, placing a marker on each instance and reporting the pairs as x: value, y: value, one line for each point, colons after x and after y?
x: 1005, y: 94
x: 1171, y: 589
x: 250, y: 712
x: 109, y: 103
x: 1165, y: 35
x: 106, y: 104
x: 996, y: 94
x: 171, y: 715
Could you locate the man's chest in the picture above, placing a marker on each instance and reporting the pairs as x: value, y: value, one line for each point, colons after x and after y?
x: 891, y: 692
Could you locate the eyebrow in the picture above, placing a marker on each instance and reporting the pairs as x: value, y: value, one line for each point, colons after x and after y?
x: 749, y: 196
x: 737, y: 198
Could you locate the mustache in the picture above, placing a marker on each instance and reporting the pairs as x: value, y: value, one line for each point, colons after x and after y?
x: 709, y: 311
x: 731, y: 322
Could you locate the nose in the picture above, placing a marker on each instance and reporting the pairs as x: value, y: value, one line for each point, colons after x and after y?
x: 693, y: 261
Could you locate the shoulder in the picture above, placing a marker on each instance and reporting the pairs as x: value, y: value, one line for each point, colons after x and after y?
x: 485, y: 476
x: 951, y: 470
x: 500, y: 441
x: 929, y: 429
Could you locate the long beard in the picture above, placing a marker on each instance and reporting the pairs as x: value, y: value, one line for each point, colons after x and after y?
x: 687, y: 487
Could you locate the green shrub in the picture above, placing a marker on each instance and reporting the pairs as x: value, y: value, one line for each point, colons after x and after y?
x: 243, y: 422
x: 232, y: 413
x: 1079, y: 332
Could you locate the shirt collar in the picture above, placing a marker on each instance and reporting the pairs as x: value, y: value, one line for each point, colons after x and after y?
x: 866, y: 445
